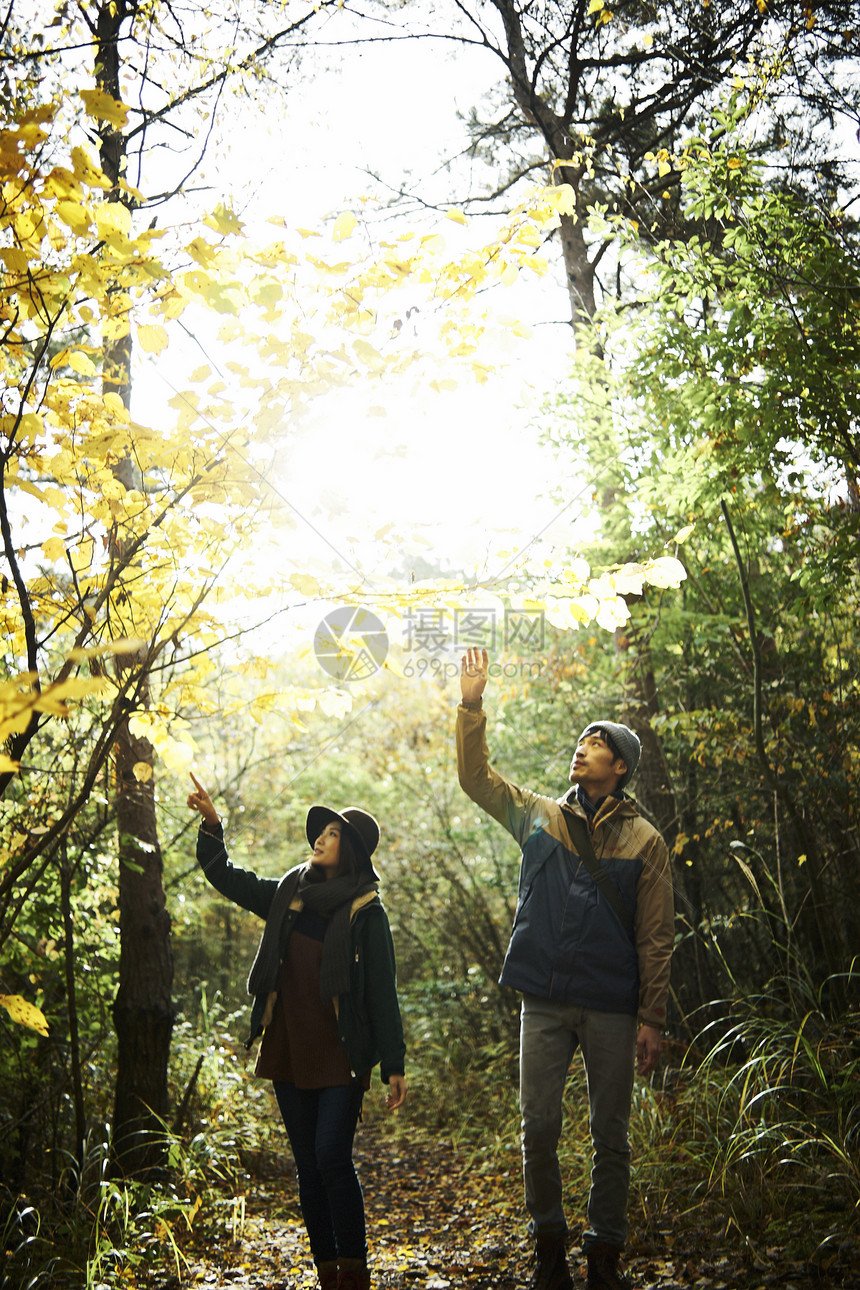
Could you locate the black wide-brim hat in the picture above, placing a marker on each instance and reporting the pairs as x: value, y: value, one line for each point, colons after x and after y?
x: 360, y: 827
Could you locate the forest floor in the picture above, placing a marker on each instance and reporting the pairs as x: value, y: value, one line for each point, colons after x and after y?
x: 438, y: 1218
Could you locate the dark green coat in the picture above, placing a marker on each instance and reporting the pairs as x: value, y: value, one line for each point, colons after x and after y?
x: 368, y: 1017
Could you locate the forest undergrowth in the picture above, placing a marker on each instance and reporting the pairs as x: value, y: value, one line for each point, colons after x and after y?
x: 746, y: 1169
x: 444, y: 1203
x: 745, y: 1174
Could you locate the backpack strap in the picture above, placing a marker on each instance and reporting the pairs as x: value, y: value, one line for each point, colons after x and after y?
x: 579, y: 832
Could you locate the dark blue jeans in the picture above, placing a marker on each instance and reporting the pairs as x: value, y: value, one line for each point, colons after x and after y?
x: 320, y: 1124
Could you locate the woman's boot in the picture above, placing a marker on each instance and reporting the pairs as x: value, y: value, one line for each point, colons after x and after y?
x: 354, y: 1274
x: 327, y: 1273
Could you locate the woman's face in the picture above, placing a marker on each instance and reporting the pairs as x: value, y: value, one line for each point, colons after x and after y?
x: 327, y: 850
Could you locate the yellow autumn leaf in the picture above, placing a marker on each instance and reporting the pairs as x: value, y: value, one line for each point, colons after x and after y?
x: 175, y: 755
x: 24, y: 1013
x: 223, y: 220
x: 61, y: 183
x: 368, y: 355
x: 584, y: 608
x: 114, y: 404
x: 87, y: 169
x: 25, y: 224
x: 30, y: 426
x: 27, y: 486
x: 122, y: 646
x: 14, y: 722
x: 456, y: 216
x: 54, y: 548
x: 81, y: 555
x: 578, y: 572
x: 113, y: 218
x: 595, y: 6
x: 684, y: 533
x: 76, y: 216
x: 104, y: 107
x: 304, y: 583
x: 81, y: 364
x: 8, y: 766
x: 203, y: 252
x: 15, y: 260
x: 612, y: 613
x: 433, y: 244
x: 153, y: 339
x: 665, y: 572
x: 335, y: 703
x: 344, y: 226
x: 142, y: 771
x: 629, y: 580
x: 563, y: 198
x: 53, y: 699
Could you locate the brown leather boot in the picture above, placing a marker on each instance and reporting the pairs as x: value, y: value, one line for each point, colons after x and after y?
x: 327, y: 1273
x: 551, y: 1270
x: 603, y: 1270
x: 354, y: 1274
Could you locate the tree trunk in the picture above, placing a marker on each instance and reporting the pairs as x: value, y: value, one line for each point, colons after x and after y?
x: 72, y: 1004
x: 655, y: 794
x: 579, y: 275
x: 143, y: 1009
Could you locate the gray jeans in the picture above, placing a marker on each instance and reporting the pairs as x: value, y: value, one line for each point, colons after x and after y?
x: 550, y: 1033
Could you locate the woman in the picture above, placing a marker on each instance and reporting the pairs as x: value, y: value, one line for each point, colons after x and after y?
x: 325, y: 1002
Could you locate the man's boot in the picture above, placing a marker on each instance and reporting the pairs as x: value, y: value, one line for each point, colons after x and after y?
x: 603, y: 1270
x: 354, y: 1274
x: 551, y: 1271
x: 327, y: 1273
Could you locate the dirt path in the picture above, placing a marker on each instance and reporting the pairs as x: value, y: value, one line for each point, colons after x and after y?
x: 437, y: 1220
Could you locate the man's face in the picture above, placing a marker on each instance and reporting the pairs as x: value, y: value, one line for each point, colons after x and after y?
x: 595, y: 767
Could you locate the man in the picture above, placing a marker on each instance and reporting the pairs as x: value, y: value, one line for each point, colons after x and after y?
x: 589, y: 957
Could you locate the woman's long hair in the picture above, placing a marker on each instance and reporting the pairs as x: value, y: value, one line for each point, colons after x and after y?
x: 348, y: 862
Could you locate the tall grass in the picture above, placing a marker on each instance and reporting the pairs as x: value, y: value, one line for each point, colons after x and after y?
x: 775, y: 1115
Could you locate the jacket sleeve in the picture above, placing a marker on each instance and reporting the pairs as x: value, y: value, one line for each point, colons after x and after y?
x: 655, y: 932
x: 381, y: 1001
x: 516, y: 809
x: 242, y: 886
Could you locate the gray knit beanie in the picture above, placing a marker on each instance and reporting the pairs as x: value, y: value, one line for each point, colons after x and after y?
x: 623, y: 741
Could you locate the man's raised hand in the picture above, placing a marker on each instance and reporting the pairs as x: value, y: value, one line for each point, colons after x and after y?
x: 473, y: 674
